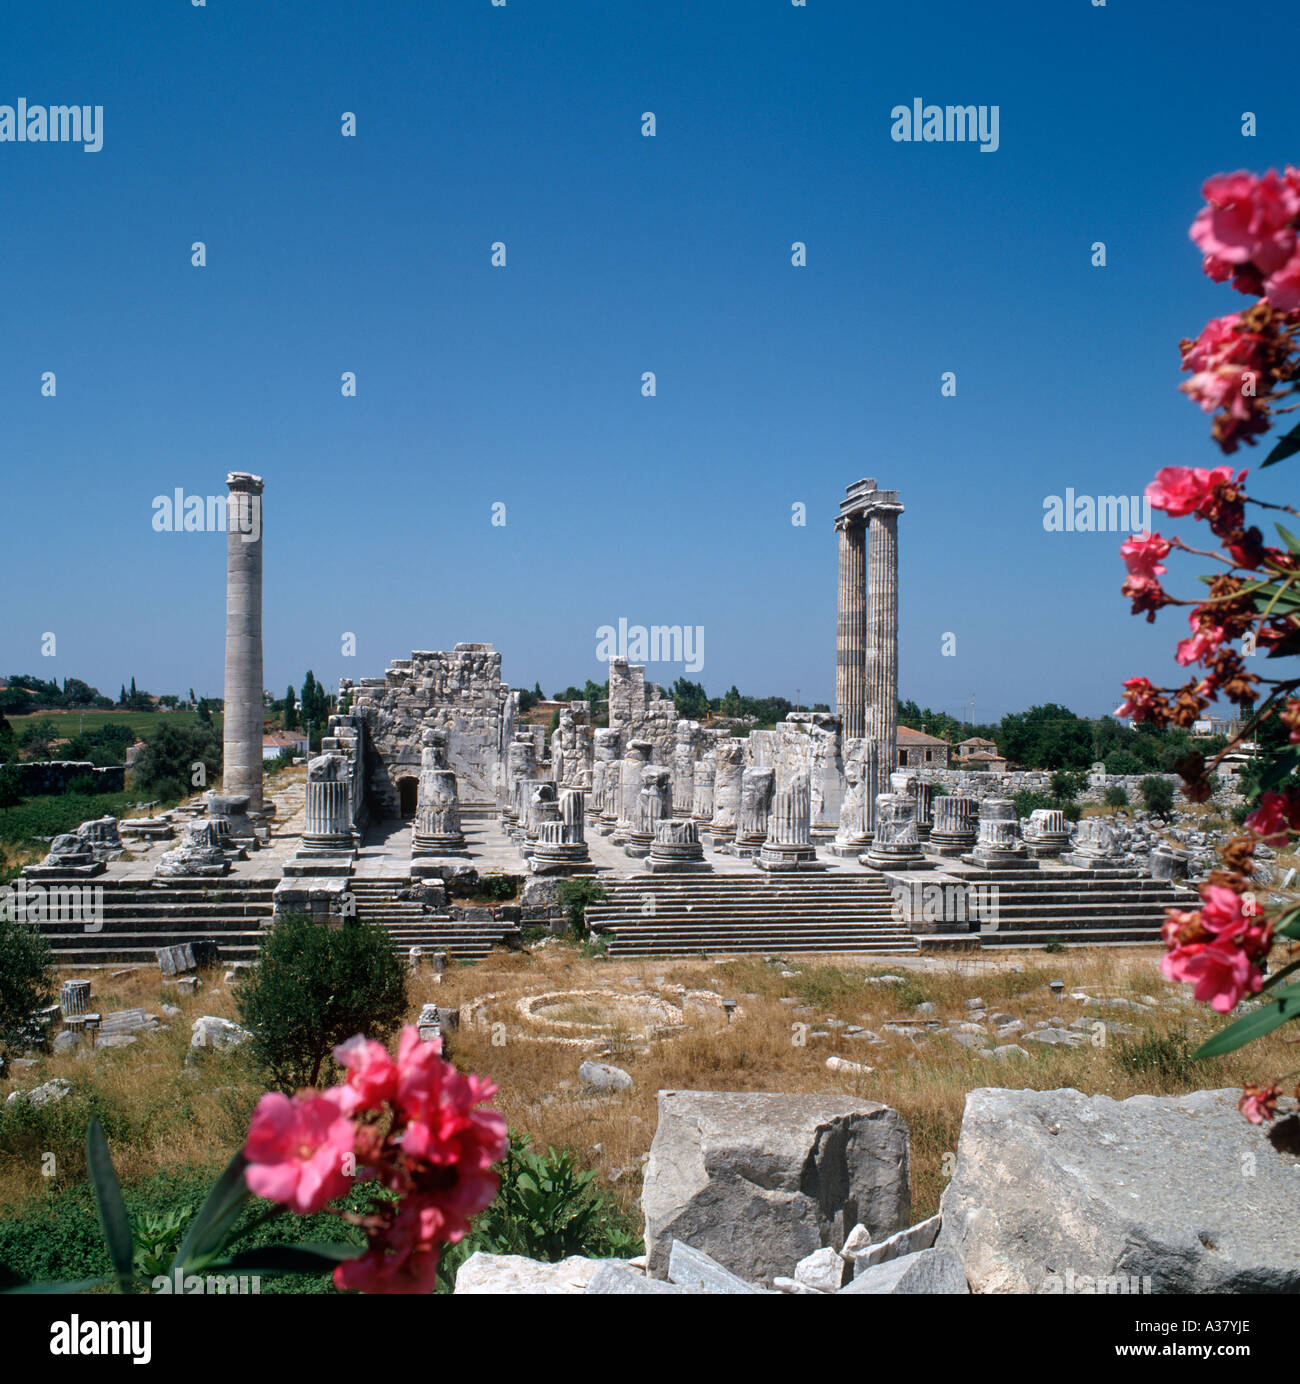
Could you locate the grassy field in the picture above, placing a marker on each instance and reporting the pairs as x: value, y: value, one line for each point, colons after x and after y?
x: 70, y: 723
x: 165, y: 1119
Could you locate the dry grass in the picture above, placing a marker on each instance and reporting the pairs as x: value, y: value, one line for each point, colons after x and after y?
x: 157, y: 1116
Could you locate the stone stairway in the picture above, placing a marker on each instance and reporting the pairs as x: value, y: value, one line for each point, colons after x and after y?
x: 833, y: 912
x: 1077, y: 907
x: 378, y: 901
x: 140, y: 916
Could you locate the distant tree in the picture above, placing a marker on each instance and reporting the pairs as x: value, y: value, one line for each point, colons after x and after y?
x: 690, y: 699
x: 165, y: 766
x: 102, y: 746
x: 290, y: 708
x: 38, y: 739
x: 1116, y: 797
x: 1047, y: 737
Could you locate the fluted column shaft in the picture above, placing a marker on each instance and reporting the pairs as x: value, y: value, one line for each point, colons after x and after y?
x: 241, y: 732
x: 851, y: 628
x: 882, y: 634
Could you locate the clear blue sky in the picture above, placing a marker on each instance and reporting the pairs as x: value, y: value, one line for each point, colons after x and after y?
x: 776, y: 385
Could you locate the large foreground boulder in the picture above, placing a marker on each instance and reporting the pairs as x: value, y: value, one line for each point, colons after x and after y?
x: 760, y: 1181
x: 1055, y: 1190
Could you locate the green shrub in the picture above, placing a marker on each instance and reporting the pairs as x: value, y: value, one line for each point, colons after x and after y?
x: 498, y: 887
x: 1071, y: 811
x: 1157, y: 795
x: 574, y: 895
x: 315, y: 987
x: 1116, y: 797
x: 26, y: 979
x: 547, y: 1209
x: 1027, y: 802
x: 1055, y: 945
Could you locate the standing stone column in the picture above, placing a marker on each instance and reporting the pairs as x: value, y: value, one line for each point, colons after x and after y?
x: 685, y: 749
x: 755, y: 808
x: 727, y: 781
x: 241, y: 732
x: 654, y: 805
x: 789, y: 833
x: 702, y: 788
x: 851, y: 627
x: 437, y: 815
x: 636, y: 759
x: 882, y: 628
x: 606, y: 752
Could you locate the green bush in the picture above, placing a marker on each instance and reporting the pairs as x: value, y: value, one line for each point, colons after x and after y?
x: 1116, y: 797
x: 315, y: 987
x: 547, y: 1209
x: 26, y: 979
x: 498, y: 887
x: 574, y: 895
x: 1157, y: 795
x: 1027, y: 802
x: 1071, y: 811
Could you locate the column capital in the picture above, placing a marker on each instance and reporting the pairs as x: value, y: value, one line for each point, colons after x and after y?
x: 244, y: 481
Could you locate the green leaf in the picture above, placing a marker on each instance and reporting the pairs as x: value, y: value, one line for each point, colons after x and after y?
x: 112, y: 1209
x: 1288, y: 538
x: 1288, y: 927
x: 1285, y: 447
x: 1279, y: 768
x: 1280, y: 975
x: 1264, y: 1020
x: 311, y: 1258
x: 217, y: 1216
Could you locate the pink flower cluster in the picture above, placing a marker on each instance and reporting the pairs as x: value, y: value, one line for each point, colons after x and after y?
x: 1180, y: 490
x: 1219, y: 948
x: 1247, y: 233
x: 1276, y: 817
x: 414, y: 1126
x: 1232, y: 369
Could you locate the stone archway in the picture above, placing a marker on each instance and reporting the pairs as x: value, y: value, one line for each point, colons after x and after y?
x: 408, y: 795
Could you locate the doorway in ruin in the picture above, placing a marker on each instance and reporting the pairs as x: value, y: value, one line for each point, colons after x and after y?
x: 408, y: 795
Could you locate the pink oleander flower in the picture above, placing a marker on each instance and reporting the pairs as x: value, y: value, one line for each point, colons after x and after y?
x: 297, y: 1149
x: 371, y: 1075
x: 1141, y: 694
x: 1221, y: 972
x: 1144, y: 555
x: 1180, y: 490
x: 1274, y: 818
x: 1283, y: 287
x: 404, y: 1254
x: 1249, y: 220
x: 1203, y: 644
x: 1223, y: 911
x: 1259, y: 1103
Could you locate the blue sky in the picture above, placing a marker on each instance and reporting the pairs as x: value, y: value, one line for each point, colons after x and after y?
x: 626, y: 254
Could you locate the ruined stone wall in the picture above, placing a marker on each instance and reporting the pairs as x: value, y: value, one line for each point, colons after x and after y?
x: 639, y: 710
x: 806, y: 742
x: 461, y: 693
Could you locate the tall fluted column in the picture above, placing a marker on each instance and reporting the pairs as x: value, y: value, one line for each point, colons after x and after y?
x: 882, y: 631
x: 851, y: 627
x: 242, y: 717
